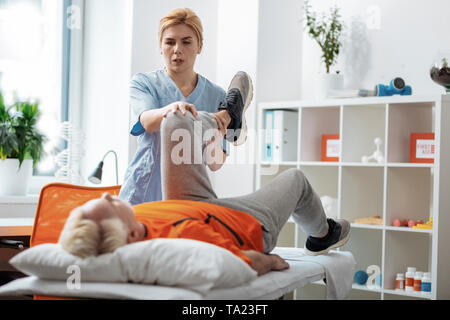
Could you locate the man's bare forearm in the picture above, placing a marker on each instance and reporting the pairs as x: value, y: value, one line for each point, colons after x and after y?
x: 263, y: 263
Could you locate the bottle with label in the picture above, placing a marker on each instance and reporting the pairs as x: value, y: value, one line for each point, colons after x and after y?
x: 418, y: 281
x: 400, y: 282
x: 409, y: 281
x: 426, y: 283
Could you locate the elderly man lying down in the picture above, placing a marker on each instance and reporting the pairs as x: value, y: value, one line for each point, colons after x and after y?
x: 248, y: 225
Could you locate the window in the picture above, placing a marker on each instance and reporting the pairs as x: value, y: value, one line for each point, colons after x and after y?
x: 33, y: 65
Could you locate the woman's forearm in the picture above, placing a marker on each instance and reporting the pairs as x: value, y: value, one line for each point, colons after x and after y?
x: 151, y: 119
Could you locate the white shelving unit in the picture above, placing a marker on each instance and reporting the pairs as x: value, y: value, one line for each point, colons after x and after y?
x: 393, y: 189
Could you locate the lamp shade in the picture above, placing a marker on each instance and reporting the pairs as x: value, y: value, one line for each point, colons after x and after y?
x: 96, y: 175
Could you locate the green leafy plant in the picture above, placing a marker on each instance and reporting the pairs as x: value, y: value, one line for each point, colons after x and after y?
x: 19, y: 136
x: 326, y: 31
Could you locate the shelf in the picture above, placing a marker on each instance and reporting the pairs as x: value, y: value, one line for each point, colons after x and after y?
x: 319, y: 163
x: 393, y: 189
x: 407, y: 229
x: 377, y: 289
x: 391, y: 228
x: 408, y: 293
x: 365, y: 288
x: 282, y: 163
x: 28, y: 199
x: 366, y: 226
x: 410, y: 165
x: 354, y: 286
x: 349, y: 101
x: 389, y: 291
x: 16, y: 226
x: 349, y: 164
x: 361, y: 164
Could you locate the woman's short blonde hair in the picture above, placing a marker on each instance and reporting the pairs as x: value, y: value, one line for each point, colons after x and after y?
x: 84, y: 237
x: 182, y: 16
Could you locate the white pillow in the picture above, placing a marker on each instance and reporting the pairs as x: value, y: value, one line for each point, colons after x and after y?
x: 186, y: 263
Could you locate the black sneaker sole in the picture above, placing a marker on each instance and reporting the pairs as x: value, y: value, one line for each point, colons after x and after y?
x: 338, y: 244
x: 243, y: 133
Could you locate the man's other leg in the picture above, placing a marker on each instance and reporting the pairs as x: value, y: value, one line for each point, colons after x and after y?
x: 288, y: 193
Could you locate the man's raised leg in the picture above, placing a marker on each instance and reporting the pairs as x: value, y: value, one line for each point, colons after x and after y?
x: 183, y: 139
x: 183, y: 171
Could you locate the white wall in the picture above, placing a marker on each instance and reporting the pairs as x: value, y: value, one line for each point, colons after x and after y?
x: 279, y: 50
x: 106, y: 72
x: 262, y: 38
x: 401, y: 41
x: 237, y: 50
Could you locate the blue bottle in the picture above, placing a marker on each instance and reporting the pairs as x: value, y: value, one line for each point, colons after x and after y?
x: 426, y: 282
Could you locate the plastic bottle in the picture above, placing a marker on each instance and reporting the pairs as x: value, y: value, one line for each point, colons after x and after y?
x: 409, y: 281
x: 400, y: 282
x: 426, y: 283
x: 418, y: 281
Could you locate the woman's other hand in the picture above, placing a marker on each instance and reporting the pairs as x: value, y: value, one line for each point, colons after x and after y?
x: 223, y: 119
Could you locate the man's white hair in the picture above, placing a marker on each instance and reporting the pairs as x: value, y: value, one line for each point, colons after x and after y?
x: 84, y: 237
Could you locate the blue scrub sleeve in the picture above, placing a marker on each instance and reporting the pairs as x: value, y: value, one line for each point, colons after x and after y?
x: 141, y: 99
x: 226, y: 147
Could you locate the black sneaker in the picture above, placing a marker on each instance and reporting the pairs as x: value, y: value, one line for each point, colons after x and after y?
x: 338, y: 235
x: 239, y: 96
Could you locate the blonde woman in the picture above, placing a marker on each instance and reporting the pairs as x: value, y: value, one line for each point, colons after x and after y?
x: 175, y: 88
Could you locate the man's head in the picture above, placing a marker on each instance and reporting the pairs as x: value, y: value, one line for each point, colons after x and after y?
x: 100, y: 226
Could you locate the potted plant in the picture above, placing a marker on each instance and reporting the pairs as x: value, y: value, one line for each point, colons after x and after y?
x: 326, y: 31
x: 21, y: 145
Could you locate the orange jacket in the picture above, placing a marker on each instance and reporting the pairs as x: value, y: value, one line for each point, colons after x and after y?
x: 231, y: 229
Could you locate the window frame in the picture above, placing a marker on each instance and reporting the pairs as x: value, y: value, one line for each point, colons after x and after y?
x: 71, y: 79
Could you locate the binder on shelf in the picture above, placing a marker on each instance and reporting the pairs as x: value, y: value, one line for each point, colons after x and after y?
x: 268, y: 138
x: 280, y: 139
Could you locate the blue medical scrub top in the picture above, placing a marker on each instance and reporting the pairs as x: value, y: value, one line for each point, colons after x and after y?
x: 153, y: 90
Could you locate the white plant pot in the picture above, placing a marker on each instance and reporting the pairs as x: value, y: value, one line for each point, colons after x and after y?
x: 328, y: 84
x: 15, y: 182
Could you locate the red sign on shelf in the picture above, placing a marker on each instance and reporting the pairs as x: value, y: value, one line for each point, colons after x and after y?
x: 422, y: 147
x: 330, y: 147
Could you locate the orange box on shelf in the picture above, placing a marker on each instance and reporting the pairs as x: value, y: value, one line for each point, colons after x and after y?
x: 330, y: 147
x: 422, y: 147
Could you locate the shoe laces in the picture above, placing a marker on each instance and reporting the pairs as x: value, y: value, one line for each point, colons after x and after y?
x: 234, y: 102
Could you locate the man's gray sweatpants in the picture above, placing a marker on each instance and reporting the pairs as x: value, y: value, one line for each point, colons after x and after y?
x: 184, y: 177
